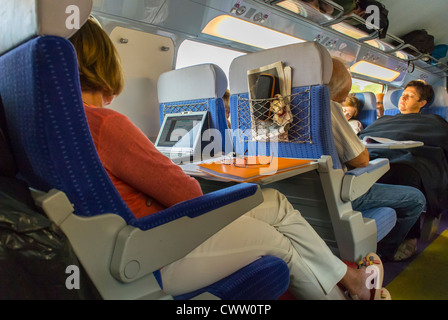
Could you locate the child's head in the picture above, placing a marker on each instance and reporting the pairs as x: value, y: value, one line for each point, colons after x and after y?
x: 351, y: 107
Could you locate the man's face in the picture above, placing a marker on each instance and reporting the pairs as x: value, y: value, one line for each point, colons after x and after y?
x: 379, y: 106
x: 410, y: 101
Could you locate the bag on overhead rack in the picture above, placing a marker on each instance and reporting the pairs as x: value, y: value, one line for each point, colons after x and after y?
x: 421, y: 40
x: 364, y: 10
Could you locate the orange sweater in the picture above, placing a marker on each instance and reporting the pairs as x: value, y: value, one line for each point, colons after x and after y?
x: 146, y: 180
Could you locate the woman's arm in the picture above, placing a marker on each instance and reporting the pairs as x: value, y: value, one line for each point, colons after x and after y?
x: 130, y: 156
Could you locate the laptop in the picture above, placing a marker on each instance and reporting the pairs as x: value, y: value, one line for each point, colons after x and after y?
x: 179, y: 137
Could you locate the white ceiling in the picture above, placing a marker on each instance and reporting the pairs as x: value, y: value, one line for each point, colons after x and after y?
x: 407, y: 15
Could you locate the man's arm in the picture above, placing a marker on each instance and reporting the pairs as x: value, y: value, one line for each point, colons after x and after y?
x: 362, y: 160
x: 351, y: 150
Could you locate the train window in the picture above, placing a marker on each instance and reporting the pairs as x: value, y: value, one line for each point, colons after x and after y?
x: 359, y: 85
x: 192, y: 53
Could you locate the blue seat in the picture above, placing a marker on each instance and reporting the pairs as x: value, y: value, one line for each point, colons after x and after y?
x: 197, y: 88
x: 367, y: 113
x: 390, y: 102
x: 439, y: 104
x: 323, y: 197
x: 56, y: 156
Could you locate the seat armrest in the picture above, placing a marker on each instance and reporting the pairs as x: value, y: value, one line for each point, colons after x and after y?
x: 198, y: 206
x: 358, y: 181
x: 149, y: 243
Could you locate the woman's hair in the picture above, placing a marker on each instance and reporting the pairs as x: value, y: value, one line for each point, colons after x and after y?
x: 425, y: 90
x: 352, y: 101
x: 98, y: 60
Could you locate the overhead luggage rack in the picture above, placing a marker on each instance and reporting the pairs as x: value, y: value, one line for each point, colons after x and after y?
x: 340, y: 23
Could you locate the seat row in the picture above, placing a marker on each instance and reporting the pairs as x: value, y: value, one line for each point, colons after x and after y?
x: 323, y: 197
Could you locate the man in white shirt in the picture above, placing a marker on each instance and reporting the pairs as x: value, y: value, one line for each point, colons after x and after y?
x: 408, y: 202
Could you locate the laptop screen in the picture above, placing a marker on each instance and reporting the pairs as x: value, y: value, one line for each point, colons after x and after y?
x: 181, y: 130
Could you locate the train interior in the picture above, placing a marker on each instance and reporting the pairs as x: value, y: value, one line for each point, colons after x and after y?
x: 156, y: 37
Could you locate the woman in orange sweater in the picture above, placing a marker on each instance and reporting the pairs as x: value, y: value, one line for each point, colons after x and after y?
x: 149, y: 182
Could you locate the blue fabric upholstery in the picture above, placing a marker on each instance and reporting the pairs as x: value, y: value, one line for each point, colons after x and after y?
x: 439, y: 103
x: 53, y: 148
x: 441, y: 111
x: 214, y: 106
x: 263, y: 279
x: 385, y: 219
x: 40, y: 130
x: 208, y: 86
x: 315, y: 137
x: 195, y: 207
x: 367, y: 113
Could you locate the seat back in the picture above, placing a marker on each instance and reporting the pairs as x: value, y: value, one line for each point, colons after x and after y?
x: 196, y: 88
x: 317, y: 194
x: 55, y: 154
x: 309, y: 134
x: 367, y: 111
x: 50, y: 120
x: 439, y: 104
x: 49, y: 64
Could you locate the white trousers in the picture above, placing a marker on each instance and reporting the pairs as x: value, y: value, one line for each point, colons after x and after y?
x: 272, y: 228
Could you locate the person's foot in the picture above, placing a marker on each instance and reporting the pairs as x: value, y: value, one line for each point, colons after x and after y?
x: 365, y: 283
x: 406, y: 250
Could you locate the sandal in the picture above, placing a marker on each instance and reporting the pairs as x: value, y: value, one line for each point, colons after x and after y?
x: 385, y: 294
x: 406, y: 250
x: 376, y: 283
x: 372, y: 259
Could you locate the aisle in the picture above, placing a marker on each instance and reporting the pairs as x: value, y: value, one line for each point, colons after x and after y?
x: 425, y: 277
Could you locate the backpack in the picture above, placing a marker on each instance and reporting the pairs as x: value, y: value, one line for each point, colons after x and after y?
x: 421, y: 40
x: 384, y: 21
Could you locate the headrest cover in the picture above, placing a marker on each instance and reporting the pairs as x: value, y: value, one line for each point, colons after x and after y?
x: 391, y: 98
x: 310, y: 62
x: 21, y: 20
x: 440, y: 98
x: 202, y: 81
x: 367, y: 99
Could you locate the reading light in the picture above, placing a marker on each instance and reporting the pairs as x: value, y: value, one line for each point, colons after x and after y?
x: 241, y: 31
x: 375, y: 71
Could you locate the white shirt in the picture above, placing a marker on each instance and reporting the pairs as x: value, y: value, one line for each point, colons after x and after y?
x: 348, y: 145
x: 356, y: 125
